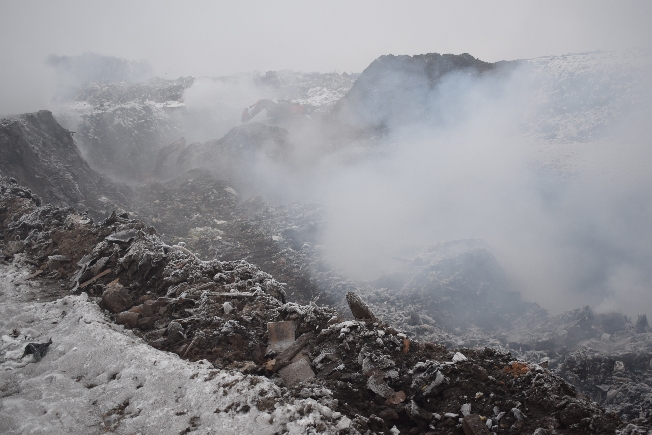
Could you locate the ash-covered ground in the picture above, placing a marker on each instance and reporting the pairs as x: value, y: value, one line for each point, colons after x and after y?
x: 223, y: 256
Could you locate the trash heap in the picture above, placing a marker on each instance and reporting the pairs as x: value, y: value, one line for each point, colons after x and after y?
x: 235, y: 316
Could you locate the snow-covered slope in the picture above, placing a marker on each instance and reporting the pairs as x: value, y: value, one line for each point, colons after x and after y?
x: 578, y: 97
x: 98, y: 377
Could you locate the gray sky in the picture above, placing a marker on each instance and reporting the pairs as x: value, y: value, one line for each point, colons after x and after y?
x: 220, y: 38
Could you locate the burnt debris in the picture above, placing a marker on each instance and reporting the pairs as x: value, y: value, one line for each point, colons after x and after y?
x: 233, y: 315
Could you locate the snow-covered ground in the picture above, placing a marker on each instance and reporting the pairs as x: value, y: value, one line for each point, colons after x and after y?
x: 98, y: 377
x: 579, y: 97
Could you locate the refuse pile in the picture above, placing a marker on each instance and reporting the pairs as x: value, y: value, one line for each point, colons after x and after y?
x: 37, y: 151
x: 398, y: 90
x: 122, y: 125
x: 235, y: 316
x: 235, y: 156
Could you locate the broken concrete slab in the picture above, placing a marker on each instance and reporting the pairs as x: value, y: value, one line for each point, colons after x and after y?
x: 297, y: 371
x: 284, y: 358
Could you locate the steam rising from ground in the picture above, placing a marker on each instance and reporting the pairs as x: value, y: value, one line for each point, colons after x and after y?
x: 569, y: 222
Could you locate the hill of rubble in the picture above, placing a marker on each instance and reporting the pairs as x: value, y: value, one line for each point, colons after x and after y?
x: 121, y: 125
x: 354, y: 376
x: 445, y: 298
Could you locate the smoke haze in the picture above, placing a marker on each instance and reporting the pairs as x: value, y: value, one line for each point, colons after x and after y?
x: 563, y: 197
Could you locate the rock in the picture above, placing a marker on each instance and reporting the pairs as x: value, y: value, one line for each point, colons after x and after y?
x: 359, y: 309
x: 298, y: 371
x: 128, y: 318
x: 573, y: 413
x: 466, y: 409
x: 149, y: 308
x: 175, y: 332
x: 473, y: 425
x: 122, y: 237
x: 459, y: 357
x: 13, y: 247
x: 389, y: 415
x: 146, y: 323
x: 56, y: 261
x: 228, y: 307
x: 116, y: 298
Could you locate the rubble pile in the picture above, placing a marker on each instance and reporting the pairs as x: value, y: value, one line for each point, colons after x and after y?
x: 38, y: 152
x: 235, y: 157
x: 121, y: 125
x: 398, y: 90
x: 235, y: 316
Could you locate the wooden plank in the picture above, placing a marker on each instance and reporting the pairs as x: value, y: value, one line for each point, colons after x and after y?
x: 95, y: 278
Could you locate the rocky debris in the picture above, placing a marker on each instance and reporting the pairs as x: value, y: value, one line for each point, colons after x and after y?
x: 235, y: 156
x: 473, y: 425
x: 359, y: 368
x: 115, y: 298
x: 39, y: 153
x: 399, y: 90
x: 122, y: 125
x: 359, y: 309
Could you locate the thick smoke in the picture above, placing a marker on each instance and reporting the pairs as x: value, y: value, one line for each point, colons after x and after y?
x: 214, y: 105
x: 568, y: 221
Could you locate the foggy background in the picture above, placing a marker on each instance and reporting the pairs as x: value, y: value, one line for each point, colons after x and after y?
x: 204, y: 38
x: 568, y: 222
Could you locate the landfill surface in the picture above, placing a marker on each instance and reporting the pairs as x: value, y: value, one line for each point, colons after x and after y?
x: 189, y: 302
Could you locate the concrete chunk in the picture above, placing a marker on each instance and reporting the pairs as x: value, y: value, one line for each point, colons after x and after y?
x: 473, y: 425
x: 298, y: 371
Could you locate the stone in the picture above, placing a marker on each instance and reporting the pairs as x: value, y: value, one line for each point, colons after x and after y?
x: 148, y: 308
x: 175, y: 332
x: 389, y: 415
x: 298, y: 371
x: 128, y: 318
x: 473, y: 425
x: 146, y: 323
x: 359, y: 309
x: 116, y: 298
x: 56, y: 261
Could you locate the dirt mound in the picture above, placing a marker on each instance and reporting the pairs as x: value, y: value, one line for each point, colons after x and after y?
x: 399, y: 90
x: 39, y: 153
x: 235, y: 157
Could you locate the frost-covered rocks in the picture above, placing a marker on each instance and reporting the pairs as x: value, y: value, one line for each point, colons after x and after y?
x: 115, y: 298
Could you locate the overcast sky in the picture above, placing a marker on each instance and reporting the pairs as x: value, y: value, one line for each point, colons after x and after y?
x: 220, y: 38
